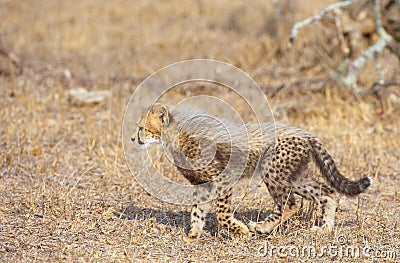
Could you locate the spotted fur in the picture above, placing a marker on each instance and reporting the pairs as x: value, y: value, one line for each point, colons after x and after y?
x: 280, y: 154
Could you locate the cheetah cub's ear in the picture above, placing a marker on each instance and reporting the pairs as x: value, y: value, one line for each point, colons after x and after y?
x: 163, y: 113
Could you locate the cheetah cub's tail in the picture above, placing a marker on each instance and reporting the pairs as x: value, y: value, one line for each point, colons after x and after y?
x: 329, y: 170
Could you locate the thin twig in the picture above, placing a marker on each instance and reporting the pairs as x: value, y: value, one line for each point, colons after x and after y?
x: 394, y: 82
x: 311, y: 83
x: 380, y: 81
x: 339, y: 31
x: 10, y: 55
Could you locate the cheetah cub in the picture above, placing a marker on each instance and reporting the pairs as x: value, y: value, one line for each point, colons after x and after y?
x: 278, y: 153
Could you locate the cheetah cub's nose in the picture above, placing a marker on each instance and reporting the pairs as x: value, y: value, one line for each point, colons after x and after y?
x: 133, y: 139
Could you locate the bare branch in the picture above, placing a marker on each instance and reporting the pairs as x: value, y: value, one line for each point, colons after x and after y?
x: 384, y: 39
x: 317, y: 17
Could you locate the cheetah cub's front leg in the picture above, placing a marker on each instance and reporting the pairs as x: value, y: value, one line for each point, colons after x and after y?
x: 197, y: 223
x: 225, y: 217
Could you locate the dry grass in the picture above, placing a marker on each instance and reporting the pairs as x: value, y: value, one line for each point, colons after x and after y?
x: 66, y: 193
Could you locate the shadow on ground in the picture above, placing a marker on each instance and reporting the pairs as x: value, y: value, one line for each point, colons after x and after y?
x: 182, y: 218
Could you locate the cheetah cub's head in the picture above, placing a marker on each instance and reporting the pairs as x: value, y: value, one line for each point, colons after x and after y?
x: 150, y: 124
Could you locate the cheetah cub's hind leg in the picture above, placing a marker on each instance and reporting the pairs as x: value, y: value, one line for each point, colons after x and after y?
x: 285, y: 207
x: 197, y: 223
x: 225, y: 216
x: 324, y: 197
x: 328, y: 208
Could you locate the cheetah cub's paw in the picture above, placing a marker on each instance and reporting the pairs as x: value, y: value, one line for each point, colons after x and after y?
x: 244, y: 232
x: 192, y: 236
x: 241, y: 229
x: 252, y: 226
x: 262, y: 227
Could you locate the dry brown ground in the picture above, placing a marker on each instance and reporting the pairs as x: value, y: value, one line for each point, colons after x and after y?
x: 66, y: 193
